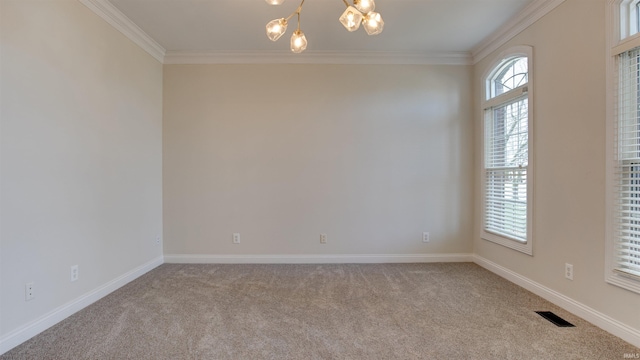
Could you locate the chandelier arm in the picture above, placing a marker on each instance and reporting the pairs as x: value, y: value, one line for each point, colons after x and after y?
x: 296, y: 12
x: 352, y: 18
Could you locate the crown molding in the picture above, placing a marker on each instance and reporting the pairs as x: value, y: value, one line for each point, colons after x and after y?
x: 113, y: 16
x: 530, y: 14
x: 525, y: 18
x: 126, y: 26
x: 317, y: 57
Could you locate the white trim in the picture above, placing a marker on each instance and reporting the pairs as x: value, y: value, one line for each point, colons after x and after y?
x: 583, y: 311
x: 126, y: 26
x: 496, y: 65
x: 626, y: 45
x: 597, y: 318
x: 530, y: 14
x: 627, y: 11
x: 614, y: 47
x: 525, y: 18
x: 33, y: 328
x: 318, y: 57
x: 519, y: 92
x: 612, y: 37
x: 113, y: 16
x: 316, y: 259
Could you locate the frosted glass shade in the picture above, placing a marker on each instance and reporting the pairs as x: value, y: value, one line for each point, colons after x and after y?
x: 298, y: 42
x: 274, y: 2
x: 351, y: 18
x: 275, y: 29
x: 373, y: 23
x: 365, y: 6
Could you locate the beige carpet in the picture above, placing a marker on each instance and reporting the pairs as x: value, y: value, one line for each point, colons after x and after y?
x: 381, y: 311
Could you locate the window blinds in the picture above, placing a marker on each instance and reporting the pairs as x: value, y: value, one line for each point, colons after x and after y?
x: 627, y: 172
x: 506, y: 157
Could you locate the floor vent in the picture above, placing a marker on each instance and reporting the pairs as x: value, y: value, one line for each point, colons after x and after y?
x: 555, y: 319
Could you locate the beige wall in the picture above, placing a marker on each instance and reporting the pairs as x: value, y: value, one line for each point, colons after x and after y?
x: 370, y: 155
x: 80, y: 166
x: 279, y: 153
x: 569, y: 129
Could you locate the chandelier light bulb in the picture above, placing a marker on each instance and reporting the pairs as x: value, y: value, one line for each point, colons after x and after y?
x: 361, y: 12
x: 276, y: 28
x: 350, y: 21
x: 373, y: 23
x: 365, y: 6
x: 351, y: 18
x: 298, y: 42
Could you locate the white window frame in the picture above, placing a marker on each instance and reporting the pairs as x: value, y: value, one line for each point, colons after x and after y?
x: 517, y: 51
x: 628, y: 18
x: 623, y: 35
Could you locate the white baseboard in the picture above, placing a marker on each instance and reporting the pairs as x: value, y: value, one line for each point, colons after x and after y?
x: 26, y: 332
x: 595, y: 317
x: 316, y: 259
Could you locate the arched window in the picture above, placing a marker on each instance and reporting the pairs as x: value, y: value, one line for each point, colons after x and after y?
x: 508, y: 76
x: 507, y: 146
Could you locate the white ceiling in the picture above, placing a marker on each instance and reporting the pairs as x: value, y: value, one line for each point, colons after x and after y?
x: 237, y: 26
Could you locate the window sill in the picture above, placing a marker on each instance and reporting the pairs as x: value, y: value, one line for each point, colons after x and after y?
x: 523, y: 247
x: 623, y: 281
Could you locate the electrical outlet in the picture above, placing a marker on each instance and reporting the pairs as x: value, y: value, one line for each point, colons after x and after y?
x: 425, y: 237
x: 158, y: 240
x: 28, y: 292
x: 323, y: 238
x: 568, y: 271
x: 74, y: 273
x: 236, y: 238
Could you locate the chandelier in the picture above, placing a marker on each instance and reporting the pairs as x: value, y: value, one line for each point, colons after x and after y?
x: 361, y: 12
